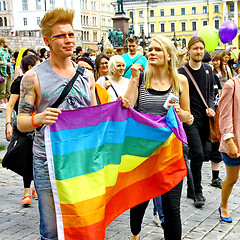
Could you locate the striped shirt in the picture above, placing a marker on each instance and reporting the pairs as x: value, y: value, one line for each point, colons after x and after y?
x: 151, y: 101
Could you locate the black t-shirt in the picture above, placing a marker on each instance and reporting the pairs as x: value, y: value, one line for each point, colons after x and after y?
x: 216, y: 86
x: 15, y: 89
x: 204, y: 78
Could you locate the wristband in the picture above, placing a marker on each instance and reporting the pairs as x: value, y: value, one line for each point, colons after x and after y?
x: 32, y: 120
x: 8, y: 123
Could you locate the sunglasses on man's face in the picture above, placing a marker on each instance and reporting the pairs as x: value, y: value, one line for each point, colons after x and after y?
x: 61, y: 36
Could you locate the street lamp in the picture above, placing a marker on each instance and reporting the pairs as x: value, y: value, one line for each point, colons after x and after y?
x: 175, y: 41
x: 100, y: 45
x: 144, y: 41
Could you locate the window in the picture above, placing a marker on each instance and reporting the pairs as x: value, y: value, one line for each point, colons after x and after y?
x: 204, y: 9
x: 131, y: 14
x: 216, y: 23
x: 183, y: 11
x: 162, y: 27
x: 52, y: 4
x: 94, y: 21
x: 162, y: 12
x: 141, y: 14
x: 141, y: 28
x: 216, y: 8
x: 194, y: 11
x: 183, y: 26
x: 205, y: 22
x: 1, y: 22
x: 38, y: 4
x: 4, y: 6
x: 95, y: 36
x: 172, y: 12
x: 194, y: 26
x: 25, y: 21
x: 0, y: 6
x: 151, y: 13
x: 38, y: 20
x: 152, y: 28
x: 5, y: 21
x: 87, y: 20
x: 103, y: 22
x: 172, y: 27
x: 25, y: 5
x: 231, y: 7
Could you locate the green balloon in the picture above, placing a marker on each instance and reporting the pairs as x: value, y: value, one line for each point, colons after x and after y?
x: 210, y: 36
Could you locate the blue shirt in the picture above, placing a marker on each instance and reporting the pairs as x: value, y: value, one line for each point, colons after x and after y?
x: 129, y: 61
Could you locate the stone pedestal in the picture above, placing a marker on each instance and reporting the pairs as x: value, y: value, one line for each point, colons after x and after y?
x: 120, y: 20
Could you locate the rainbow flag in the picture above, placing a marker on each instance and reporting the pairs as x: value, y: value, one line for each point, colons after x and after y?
x: 106, y: 159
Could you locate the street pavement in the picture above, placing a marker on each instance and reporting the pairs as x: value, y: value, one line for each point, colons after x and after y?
x: 17, y: 222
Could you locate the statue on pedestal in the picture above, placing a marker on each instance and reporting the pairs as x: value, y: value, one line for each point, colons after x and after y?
x: 110, y: 35
x: 119, y: 38
x: 114, y: 37
x: 120, y: 6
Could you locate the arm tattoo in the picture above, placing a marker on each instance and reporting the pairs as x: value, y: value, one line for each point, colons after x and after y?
x: 26, y: 92
x: 25, y: 107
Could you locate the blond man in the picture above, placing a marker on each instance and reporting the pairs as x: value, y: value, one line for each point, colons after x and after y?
x: 40, y: 88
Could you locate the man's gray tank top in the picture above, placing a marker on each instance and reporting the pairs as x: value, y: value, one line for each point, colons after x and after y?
x: 51, y: 86
x: 151, y: 101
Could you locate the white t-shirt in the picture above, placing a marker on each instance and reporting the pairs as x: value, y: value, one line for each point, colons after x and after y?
x: 119, y: 88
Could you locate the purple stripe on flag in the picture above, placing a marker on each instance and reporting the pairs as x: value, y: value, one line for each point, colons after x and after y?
x: 87, y: 117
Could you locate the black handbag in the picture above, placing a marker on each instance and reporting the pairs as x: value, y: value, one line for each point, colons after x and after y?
x: 19, y: 156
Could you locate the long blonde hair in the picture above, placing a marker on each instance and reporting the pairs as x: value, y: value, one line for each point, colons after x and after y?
x: 168, y: 49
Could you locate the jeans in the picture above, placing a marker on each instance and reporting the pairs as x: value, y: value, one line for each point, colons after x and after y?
x: 171, y: 211
x: 157, y: 208
x: 197, y: 136
x: 48, y: 225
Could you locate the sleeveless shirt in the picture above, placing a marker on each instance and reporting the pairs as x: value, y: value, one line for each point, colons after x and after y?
x: 151, y: 101
x: 51, y: 86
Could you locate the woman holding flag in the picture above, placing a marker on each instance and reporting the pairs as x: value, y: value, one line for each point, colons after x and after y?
x: 154, y: 92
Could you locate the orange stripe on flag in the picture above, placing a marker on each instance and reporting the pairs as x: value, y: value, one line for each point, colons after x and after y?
x: 93, y: 210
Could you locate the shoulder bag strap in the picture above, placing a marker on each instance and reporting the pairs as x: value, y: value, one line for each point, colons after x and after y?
x: 131, y: 65
x: 66, y: 90
x: 106, y: 78
x: 195, y: 84
x: 114, y: 91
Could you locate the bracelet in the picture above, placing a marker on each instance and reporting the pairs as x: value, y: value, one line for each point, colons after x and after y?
x: 8, y: 123
x: 32, y: 120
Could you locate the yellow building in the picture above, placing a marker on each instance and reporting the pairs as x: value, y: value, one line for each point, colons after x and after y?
x: 181, y: 18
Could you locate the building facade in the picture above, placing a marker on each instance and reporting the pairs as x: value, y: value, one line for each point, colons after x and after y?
x: 96, y: 20
x: 180, y: 19
x: 6, y: 19
x: 20, y: 19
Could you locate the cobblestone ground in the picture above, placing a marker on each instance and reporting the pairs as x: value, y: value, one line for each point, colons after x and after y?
x: 18, y: 223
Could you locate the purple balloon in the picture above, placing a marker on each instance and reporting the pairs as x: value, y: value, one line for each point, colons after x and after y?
x: 228, y: 31
x: 195, y: 34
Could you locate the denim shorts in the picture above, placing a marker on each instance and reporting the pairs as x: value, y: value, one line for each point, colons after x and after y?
x: 231, y: 162
x: 48, y: 226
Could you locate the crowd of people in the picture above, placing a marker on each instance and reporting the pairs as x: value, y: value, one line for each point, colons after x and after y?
x: 199, y: 82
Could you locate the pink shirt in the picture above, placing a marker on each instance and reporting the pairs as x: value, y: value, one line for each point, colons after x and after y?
x: 229, y: 117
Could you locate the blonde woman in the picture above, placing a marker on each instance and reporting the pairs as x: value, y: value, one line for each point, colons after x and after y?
x: 182, y: 56
x: 115, y: 83
x: 150, y: 92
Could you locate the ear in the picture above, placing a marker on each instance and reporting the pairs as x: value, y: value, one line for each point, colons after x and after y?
x: 30, y: 67
x: 46, y: 41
